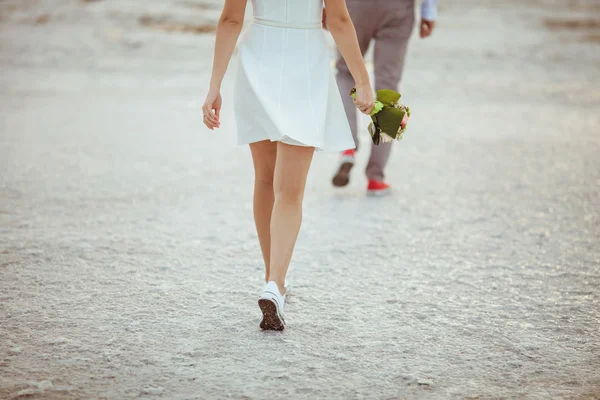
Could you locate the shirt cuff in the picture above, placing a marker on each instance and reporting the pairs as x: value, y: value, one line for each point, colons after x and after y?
x: 429, y: 10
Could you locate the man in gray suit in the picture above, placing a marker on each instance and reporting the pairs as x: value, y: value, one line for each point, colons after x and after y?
x: 389, y: 23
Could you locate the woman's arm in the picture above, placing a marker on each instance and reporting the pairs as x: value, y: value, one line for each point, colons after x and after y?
x: 228, y: 32
x: 341, y: 28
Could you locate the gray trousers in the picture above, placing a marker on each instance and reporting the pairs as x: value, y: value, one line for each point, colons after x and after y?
x: 390, y: 24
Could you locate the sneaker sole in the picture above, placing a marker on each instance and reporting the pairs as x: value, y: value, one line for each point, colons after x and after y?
x: 378, y: 193
x: 271, y: 320
x: 342, y: 178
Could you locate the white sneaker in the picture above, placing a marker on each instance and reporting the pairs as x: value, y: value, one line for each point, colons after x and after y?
x: 288, y: 288
x: 272, y: 303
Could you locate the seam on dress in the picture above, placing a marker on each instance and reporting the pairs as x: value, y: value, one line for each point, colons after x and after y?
x: 262, y: 51
x: 285, y: 42
x: 309, y: 84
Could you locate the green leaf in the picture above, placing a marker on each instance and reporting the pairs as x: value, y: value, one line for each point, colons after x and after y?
x: 388, y: 97
x: 378, y: 107
x: 389, y: 120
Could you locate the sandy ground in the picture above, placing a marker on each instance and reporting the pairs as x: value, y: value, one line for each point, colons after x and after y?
x: 128, y: 259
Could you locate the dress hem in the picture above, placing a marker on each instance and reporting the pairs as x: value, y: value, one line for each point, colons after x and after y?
x: 294, y: 142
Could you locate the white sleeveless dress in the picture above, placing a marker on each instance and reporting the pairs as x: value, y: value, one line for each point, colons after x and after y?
x: 285, y: 88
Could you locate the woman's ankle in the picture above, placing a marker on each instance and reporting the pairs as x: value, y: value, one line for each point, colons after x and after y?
x: 280, y: 284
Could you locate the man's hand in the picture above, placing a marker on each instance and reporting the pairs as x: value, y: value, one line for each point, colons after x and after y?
x: 426, y: 28
x: 324, y: 21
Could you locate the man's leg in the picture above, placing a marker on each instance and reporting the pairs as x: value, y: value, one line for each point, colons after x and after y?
x: 390, y: 50
x: 365, y: 29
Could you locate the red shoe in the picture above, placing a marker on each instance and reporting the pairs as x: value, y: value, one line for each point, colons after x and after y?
x: 378, y: 188
x: 342, y: 176
x: 349, y: 155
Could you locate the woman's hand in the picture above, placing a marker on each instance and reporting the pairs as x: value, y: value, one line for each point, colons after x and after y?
x: 212, y: 109
x: 365, y: 100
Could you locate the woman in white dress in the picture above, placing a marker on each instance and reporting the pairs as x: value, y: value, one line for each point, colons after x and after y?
x: 287, y: 105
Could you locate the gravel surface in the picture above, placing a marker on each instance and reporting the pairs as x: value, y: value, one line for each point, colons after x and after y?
x: 130, y: 267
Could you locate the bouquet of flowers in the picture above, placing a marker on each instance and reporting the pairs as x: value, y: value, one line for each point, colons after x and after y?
x: 389, y: 116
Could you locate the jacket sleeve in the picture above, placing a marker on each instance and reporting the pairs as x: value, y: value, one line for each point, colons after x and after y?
x: 429, y: 10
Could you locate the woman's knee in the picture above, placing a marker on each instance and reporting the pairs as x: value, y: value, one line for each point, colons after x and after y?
x: 289, y: 194
x: 264, y: 155
x: 264, y: 176
x: 264, y: 182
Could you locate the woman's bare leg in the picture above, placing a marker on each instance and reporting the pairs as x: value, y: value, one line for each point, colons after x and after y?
x: 291, y: 169
x: 264, y: 155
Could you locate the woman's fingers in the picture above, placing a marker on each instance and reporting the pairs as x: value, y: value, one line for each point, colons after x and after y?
x: 208, y: 112
x: 210, y: 118
x: 211, y: 125
x: 208, y: 124
x: 365, y: 107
